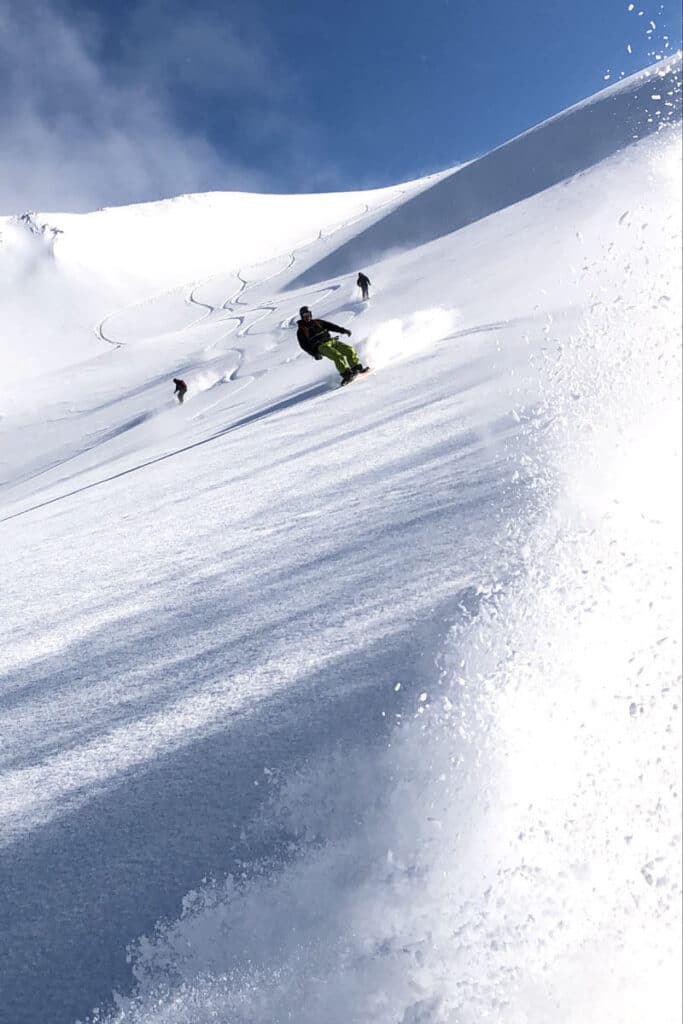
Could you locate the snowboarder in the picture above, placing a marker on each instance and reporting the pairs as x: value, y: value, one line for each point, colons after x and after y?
x: 314, y: 338
x: 363, y: 283
x: 180, y: 389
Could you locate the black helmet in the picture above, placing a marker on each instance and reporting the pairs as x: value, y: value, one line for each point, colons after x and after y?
x: 303, y: 311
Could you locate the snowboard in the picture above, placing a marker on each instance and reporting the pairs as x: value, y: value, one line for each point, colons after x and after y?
x: 363, y: 373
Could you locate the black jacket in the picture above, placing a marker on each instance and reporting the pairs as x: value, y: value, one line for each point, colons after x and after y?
x: 311, y: 333
x: 363, y: 281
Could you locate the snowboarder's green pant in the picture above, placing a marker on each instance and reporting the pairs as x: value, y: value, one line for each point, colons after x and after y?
x: 343, y: 356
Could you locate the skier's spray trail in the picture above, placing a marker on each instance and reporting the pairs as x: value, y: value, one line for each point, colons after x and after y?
x: 398, y: 339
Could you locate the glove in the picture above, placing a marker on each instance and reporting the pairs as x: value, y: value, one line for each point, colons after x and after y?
x: 348, y: 332
x: 317, y: 356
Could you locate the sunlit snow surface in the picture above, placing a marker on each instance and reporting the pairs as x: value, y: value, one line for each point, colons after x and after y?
x: 360, y: 705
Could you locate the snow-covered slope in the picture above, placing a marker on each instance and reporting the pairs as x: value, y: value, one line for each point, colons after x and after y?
x: 363, y: 704
x: 61, y: 274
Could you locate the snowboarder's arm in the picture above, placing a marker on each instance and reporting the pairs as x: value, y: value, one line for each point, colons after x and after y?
x: 333, y: 327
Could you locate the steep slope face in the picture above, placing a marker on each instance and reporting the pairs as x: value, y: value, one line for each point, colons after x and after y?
x: 555, y: 150
x: 393, y: 667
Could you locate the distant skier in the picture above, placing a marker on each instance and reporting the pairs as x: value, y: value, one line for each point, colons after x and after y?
x: 314, y: 338
x: 180, y: 389
x: 363, y: 283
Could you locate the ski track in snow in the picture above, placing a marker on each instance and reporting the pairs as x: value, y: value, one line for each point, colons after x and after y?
x: 237, y: 298
x: 243, y: 324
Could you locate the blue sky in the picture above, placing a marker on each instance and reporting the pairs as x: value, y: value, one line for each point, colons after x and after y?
x: 119, y: 101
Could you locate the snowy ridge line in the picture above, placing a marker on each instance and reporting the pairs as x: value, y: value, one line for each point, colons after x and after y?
x: 540, y: 158
x: 353, y: 220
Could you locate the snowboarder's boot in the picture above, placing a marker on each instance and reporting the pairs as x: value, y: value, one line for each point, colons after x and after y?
x: 359, y: 368
x: 346, y: 377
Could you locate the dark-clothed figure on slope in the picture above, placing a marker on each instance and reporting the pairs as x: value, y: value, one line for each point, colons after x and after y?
x: 180, y: 389
x: 314, y: 338
x: 363, y: 282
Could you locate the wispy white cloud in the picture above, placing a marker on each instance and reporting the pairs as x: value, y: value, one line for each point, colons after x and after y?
x: 204, y: 50
x: 163, y: 102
